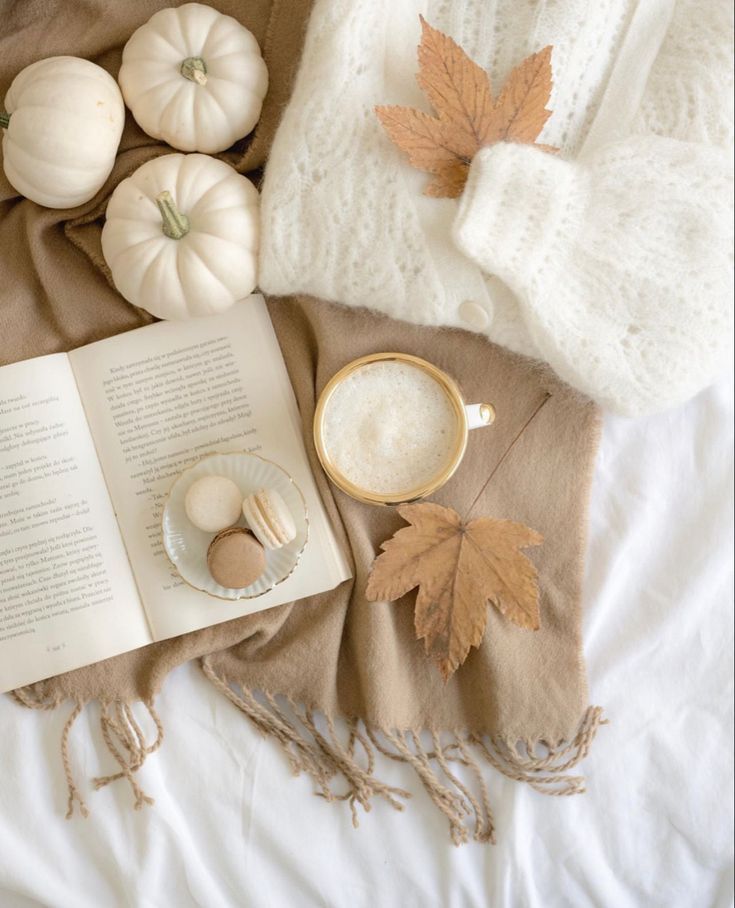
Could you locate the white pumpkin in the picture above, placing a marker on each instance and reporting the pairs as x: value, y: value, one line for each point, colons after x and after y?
x: 194, y: 78
x: 181, y: 236
x: 62, y: 124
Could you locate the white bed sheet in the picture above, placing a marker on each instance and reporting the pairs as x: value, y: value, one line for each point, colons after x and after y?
x: 232, y: 827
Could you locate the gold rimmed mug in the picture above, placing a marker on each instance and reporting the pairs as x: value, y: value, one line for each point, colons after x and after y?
x: 467, y: 417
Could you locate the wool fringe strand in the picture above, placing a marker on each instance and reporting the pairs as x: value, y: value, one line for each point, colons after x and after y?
x: 121, y: 733
x: 118, y: 721
x: 325, y: 757
x: 318, y: 750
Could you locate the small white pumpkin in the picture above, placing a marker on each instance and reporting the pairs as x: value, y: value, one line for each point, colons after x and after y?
x: 181, y: 236
x: 194, y: 78
x: 62, y: 124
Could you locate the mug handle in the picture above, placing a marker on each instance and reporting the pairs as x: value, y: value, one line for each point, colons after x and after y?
x: 479, y: 415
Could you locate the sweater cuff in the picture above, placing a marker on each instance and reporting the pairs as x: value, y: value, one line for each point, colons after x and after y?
x: 516, y: 201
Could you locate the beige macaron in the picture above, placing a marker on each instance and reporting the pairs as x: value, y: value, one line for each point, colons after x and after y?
x: 235, y: 558
x: 213, y: 503
x: 269, y: 518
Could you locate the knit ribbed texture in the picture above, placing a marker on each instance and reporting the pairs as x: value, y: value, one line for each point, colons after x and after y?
x: 623, y: 300
x: 611, y: 262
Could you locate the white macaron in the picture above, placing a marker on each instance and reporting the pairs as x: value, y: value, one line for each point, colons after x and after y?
x: 269, y: 518
x: 213, y: 503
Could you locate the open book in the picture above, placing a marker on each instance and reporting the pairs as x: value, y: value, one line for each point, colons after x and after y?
x: 91, y: 442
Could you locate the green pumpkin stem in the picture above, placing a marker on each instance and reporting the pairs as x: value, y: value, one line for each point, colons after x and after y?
x: 195, y: 70
x: 175, y: 225
x: 4, y: 119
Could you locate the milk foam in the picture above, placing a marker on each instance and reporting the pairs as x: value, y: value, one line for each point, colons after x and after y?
x: 389, y: 427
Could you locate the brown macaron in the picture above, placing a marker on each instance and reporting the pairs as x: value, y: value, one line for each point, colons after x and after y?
x: 235, y: 558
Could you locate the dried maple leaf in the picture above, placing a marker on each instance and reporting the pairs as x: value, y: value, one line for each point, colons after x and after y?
x: 458, y: 89
x: 426, y: 140
x: 467, y: 117
x: 520, y: 112
x: 458, y: 567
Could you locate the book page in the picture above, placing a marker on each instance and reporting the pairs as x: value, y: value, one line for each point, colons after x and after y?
x: 158, y: 399
x: 67, y: 594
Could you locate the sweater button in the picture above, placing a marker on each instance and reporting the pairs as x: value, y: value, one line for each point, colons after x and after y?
x: 474, y: 315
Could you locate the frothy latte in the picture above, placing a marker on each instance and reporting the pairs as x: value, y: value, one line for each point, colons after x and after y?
x: 389, y: 427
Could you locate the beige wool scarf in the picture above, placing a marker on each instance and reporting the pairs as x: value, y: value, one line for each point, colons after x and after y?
x: 340, y: 683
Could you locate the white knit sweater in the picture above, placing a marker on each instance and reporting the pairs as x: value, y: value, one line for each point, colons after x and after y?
x: 612, y: 262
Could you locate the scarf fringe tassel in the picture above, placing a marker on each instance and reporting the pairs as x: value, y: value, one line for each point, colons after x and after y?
x: 313, y: 746
x: 325, y: 757
x: 123, y: 736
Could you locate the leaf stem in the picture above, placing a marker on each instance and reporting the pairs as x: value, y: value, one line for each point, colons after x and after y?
x: 510, y: 447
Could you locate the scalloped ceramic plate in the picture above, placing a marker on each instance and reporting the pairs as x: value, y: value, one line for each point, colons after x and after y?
x: 186, y: 546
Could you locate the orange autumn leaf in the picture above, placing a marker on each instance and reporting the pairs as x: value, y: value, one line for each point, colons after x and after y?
x: 427, y: 141
x: 457, y: 88
x: 458, y: 568
x: 520, y: 112
x: 467, y: 116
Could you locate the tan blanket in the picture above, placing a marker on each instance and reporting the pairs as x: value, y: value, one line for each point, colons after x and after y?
x: 341, y: 684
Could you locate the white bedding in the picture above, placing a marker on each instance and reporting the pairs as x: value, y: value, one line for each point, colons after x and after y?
x: 232, y: 827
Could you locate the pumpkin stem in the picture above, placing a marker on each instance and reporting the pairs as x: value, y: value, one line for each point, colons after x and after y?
x: 195, y: 70
x: 175, y: 224
x: 4, y: 119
